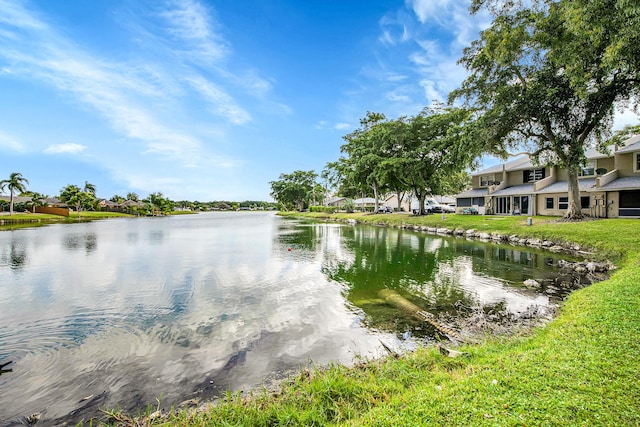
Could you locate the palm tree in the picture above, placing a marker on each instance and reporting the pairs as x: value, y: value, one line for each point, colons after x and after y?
x: 37, y: 199
x: 15, y: 183
x: 89, y: 188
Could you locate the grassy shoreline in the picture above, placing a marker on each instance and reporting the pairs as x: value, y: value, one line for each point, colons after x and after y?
x: 27, y: 219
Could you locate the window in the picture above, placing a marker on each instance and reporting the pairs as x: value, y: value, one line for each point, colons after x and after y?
x: 549, y: 202
x: 563, y: 203
x: 532, y: 175
x: 637, y: 164
x: 487, y: 180
x: 588, y: 170
x: 478, y: 201
x: 464, y: 202
x: 585, y: 202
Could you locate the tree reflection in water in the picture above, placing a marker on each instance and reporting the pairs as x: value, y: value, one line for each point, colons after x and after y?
x: 442, y: 275
x: 15, y: 256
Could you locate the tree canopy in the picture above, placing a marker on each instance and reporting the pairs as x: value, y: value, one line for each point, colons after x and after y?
x: 294, y: 190
x: 546, y: 77
x: 430, y: 151
x: 425, y: 154
x: 72, y: 195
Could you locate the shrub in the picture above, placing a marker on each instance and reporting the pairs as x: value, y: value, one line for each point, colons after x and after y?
x: 326, y: 209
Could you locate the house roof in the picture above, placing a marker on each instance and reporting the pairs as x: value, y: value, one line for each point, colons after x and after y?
x: 132, y: 203
x: 445, y: 199
x: 515, y: 190
x: 630, y: 145
x: 475, y: 192
x: 586, y: 184
x: 627, y: 182
x: 524, y: 161
x: 593, y: 153
x: 364, y: 200
x: 16, y: 199
x: 334, y: 199
x: 519, y: 163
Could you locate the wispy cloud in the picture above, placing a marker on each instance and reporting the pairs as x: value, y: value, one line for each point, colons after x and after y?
x: 8, y: 142
x: 190, y: 24
x: 68, y: 148
x: 433, y: 10
x: 433, y: 34
x: 127, y: 97
x: 222, y: 104
x: 342, y: 126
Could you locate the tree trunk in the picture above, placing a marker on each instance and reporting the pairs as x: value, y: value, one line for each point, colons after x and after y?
x: 375, y: 198
x: 574, y: 210
x: 11, y: 203
x: 400, y: 196
x: 421, y: 196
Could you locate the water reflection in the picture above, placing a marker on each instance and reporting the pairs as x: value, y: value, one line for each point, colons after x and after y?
x: 15, y: 255
x: 127, y: 310
x: 86, y: 241
x: 206, y: 305
x: 439, y: 275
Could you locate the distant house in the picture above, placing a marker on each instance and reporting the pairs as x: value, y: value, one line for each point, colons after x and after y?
x: 609, y: 186
x: 128, y: 205
x: 16, y: 199
x: 109, y: 206
x: 336, y: 201
x: 391, y: 201
x: 365, y: 203
x: 55, y: 202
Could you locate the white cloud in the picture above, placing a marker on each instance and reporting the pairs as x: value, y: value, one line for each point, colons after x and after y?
x: 223, y: 104
x: 68, y: 148
x: 396, y: 96
x: 10, y: 143
x: 342, y: 126
x: 128, y: 97
x: 15, y: 16
x: 393, y: 77
x: 190, y: 24
x: 430, y: 92
x: 432, y: 10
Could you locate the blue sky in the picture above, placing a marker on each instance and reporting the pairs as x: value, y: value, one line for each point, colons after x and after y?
x: 211, y: 100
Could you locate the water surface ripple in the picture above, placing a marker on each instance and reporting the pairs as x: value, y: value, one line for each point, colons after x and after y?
x: 118, y: 313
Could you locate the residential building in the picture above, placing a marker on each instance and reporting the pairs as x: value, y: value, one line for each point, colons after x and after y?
x: 609, y: 186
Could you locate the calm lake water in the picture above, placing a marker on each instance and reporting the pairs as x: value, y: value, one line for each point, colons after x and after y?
x: 120, y: 312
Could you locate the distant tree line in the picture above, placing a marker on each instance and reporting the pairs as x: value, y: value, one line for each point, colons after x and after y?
x: 84, y: 199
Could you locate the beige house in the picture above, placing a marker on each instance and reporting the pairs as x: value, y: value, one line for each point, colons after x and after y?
x: 609, y: 186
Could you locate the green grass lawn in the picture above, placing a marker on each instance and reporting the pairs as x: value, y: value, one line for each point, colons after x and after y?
x: 582, y: 369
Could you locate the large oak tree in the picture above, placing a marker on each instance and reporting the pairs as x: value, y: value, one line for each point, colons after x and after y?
x: 365, y: 153
x: 547, y: 76
x: 429, y: 152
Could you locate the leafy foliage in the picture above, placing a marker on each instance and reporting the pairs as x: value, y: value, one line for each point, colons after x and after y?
x: 157, y: 204
x: 72, y: 195
x: 546, y: 77
x: 16, y: 183
x: 294, y: 190
x: 425, y: 154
